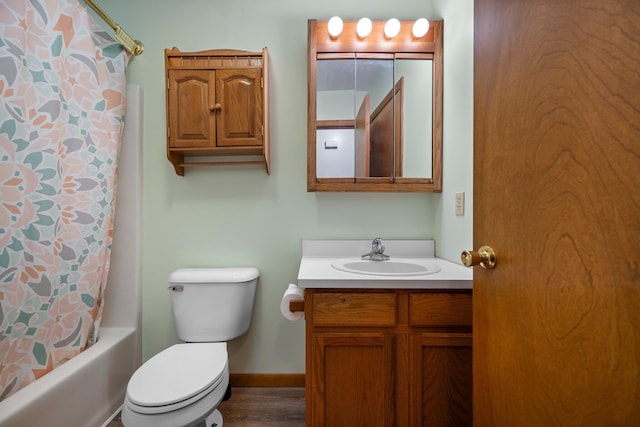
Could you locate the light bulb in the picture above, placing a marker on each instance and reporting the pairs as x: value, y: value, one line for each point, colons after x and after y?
x: 335, y: 27
x: 420, y: 28
x: 363, y: 28
x: 391, y: 28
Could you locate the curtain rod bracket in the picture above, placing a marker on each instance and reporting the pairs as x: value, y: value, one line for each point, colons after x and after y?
x: 135, y: 47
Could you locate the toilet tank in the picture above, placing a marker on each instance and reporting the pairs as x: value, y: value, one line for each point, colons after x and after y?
x: 212, y: 304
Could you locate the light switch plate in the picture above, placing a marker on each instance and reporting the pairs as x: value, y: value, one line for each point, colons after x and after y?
x: 460, y: 204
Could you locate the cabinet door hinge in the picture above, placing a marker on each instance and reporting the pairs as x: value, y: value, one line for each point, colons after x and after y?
x: 262, y: 130
x: 168, y: 132
x: 168, y: 85
x: 261, y: 82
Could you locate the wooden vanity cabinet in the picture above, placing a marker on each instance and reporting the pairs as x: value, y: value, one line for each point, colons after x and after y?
x: 388, y: 358
x: 216, y: 108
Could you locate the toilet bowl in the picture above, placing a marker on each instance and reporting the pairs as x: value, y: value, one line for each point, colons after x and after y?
x: 184, y: 384
x: 179, y: 386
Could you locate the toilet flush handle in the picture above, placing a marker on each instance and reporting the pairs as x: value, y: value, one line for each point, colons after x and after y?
x: 177, y: 288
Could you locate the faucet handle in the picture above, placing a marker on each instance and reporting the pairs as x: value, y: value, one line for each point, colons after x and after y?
x: 377, y: 248
x: 377, y: 251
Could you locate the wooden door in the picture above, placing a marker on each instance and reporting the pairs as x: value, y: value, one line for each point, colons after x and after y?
x: 191, y: 96
x: 363, y: 138
x: 386, y: 134
x: 556, y: 325
x: 239, y: 93
x: 382, y: 126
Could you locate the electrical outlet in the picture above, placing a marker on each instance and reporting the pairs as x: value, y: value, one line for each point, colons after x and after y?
x: 460, y: 204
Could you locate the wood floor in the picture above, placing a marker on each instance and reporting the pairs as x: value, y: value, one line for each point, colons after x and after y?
x: 260, y: 407
x: 264, y: 407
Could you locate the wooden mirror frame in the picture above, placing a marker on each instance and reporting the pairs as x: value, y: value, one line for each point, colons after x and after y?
x: 404, y: 45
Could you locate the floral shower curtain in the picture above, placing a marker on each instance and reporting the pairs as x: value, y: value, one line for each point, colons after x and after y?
x: 62, y: 85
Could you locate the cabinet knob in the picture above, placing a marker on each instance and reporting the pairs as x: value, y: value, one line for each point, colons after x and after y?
x: 216, y: 107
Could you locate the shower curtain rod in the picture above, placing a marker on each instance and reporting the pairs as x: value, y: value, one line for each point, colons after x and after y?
x: 134, y: 46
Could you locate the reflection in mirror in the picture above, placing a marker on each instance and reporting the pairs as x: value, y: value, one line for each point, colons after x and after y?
x: 335, y: 100
x: 417, y: 126
x: 375, y: 147
x: 336, y: 84
x: 375, y: 111
x: 354, y: 118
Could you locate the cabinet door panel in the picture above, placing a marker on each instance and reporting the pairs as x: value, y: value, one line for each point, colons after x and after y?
x: 352, y: 380
x: 239, y: 94
x: 442, y: 395
x: 191, y: 94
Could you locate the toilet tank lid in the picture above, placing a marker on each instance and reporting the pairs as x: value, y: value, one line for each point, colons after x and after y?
x: 214, y: 275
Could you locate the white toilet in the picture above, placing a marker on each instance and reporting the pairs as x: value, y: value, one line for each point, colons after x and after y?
x: 184, y: 384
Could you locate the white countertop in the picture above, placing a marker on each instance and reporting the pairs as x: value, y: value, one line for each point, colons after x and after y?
x: 317, y: 255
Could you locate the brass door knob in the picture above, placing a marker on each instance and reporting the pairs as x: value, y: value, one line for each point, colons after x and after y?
x: 216, y: 107
x: 485, y: 257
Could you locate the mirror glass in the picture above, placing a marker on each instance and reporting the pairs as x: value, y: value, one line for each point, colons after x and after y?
x: 335, y: 99
x: 417, y: 113
x: 372, y: 125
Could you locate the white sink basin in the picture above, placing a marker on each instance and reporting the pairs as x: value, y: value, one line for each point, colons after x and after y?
x: 390, y: 267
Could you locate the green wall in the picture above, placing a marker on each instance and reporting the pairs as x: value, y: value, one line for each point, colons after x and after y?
x: 238, y: 215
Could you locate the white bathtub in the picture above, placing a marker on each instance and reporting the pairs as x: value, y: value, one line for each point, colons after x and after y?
x: 88, y: 389
x: 85, y: 391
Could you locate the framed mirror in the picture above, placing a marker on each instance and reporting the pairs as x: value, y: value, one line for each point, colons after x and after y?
x: 375, y: 109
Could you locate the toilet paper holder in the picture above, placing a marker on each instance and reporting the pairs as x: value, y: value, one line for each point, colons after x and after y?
x: 295, y: 306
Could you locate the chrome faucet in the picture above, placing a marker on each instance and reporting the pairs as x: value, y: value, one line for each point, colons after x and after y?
x: 377, y: 251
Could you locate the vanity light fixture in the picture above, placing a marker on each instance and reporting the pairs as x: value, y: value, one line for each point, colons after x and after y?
x: 391, y: 28
x: 335, y: 26
x: 363, y: 28
x: 420, y: 28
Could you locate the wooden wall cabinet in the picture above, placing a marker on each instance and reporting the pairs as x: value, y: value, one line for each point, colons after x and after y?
x: 388, y: 358
x: 217, y: 108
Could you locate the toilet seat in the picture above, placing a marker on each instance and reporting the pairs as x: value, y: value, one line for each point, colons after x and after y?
x: 177, y: 377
